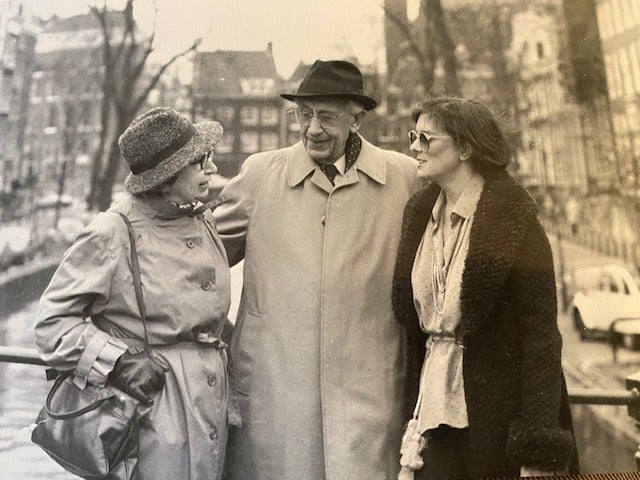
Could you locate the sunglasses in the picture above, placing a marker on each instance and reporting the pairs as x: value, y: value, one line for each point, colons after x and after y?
x: 203, y: 160
x: 424, y: 138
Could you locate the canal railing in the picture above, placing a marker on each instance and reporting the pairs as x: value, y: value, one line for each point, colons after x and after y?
x: 628, y: 396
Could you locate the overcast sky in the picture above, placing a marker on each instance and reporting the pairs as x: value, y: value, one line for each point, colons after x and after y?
x: 300, y: 30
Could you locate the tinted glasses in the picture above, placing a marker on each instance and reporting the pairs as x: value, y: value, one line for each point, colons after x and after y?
x: 424, y: 138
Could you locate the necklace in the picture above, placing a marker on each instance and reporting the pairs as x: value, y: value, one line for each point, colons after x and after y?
x: 440, y: 268
x: 439, y: 279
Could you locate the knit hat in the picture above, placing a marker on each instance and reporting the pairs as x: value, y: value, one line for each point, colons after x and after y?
x: 160, y: 143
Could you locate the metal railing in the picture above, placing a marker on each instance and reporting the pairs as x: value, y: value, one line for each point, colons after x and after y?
x: 577, y: 396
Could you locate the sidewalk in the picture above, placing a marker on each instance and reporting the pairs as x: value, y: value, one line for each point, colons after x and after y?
x: 597, y: 372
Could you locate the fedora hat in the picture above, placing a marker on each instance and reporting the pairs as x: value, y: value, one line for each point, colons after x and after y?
x: 334, y: 78
x: 160, y: 143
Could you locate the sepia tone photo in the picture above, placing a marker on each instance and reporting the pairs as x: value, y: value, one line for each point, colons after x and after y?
x: 363, y: 239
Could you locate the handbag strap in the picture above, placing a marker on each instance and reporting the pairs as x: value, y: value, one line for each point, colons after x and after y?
x: 137, y: 283
x: 72, y: 413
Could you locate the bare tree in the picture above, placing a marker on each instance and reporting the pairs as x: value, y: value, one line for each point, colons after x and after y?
x: 126, y: 86
x: 428, y: 40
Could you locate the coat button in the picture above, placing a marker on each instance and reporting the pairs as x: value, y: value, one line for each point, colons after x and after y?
x: 191, y: 243
x: 206, y: 285
x: 212, y: 380
x: 323, y: 220
x: 213, y: 435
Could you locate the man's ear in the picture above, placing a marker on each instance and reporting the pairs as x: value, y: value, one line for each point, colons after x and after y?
x: 358, y: 117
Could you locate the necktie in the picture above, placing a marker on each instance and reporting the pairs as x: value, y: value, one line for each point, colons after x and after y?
x: 330, y: 171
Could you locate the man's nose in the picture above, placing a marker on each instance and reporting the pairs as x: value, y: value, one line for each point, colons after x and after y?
x: 314, y: 125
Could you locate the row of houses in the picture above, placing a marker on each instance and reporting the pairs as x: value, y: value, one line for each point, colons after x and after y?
x: 563, y: 75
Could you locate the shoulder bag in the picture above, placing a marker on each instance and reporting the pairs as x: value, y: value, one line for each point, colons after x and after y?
x: 93, y: 431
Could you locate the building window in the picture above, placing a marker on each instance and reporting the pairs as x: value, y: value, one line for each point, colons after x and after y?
x: 269, y: 141
x: 625, y: 71
x: 224, y: 114
x: 634, y: 54
x: 86, y: 113
x: 225, y: 145
x: 6, y: 81
x: 635, y: 11
x: 540, y: 50
x: 52, y: 118
x: 269, y: 116
x: 626, y: 14
x: 249, y: 116
x: 10, y: 49
x: 249, y: 142
x: 204, y: 116
x: 36, y: 87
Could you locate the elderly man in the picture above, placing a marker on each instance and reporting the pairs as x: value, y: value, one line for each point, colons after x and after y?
x: 318, y: 353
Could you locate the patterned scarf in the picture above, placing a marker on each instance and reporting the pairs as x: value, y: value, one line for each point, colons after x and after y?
x: 352, y: 151
x: 172, y: 211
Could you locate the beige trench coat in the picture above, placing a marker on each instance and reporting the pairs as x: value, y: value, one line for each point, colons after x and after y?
x: 320, y: 365
x: 185, y: 277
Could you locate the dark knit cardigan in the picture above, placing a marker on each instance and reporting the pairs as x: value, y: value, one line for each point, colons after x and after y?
x: 514, y: 387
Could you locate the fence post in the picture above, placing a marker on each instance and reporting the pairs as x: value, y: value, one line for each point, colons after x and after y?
x: 632, y: 383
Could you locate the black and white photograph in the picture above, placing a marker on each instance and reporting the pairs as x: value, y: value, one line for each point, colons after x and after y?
x: 337, y: 240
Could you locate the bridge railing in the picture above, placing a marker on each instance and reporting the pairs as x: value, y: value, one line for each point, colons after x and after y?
x: 629, y: 396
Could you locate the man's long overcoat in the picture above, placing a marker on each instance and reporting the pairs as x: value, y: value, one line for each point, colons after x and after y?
x: 319, y: 357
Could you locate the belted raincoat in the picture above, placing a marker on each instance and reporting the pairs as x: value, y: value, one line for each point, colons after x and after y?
x: 320, y: 362
x: 90, y: 306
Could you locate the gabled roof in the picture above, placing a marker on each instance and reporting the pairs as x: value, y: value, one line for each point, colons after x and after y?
x: 233, y: 74
x: 81, y: 32
x: 82, y: 22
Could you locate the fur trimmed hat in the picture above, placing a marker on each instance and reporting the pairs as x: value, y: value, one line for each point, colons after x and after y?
x: 160, y: 143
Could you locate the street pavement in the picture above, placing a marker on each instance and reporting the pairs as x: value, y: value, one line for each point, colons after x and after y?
x: 591, y: 364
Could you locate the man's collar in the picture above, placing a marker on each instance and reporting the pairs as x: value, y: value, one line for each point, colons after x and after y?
x: 370, y: 162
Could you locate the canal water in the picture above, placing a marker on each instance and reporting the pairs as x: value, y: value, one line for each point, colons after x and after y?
x: 23, y: 389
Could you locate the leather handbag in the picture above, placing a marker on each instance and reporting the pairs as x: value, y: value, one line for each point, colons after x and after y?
x: 92, y: 431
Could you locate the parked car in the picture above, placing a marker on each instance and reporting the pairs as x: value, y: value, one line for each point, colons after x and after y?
x: 605, y: 303
x: 15, y: 240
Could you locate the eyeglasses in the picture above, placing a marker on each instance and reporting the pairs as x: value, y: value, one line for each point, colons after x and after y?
x: 325, y: 119
x: 425, y: 139
x: 203, y: 160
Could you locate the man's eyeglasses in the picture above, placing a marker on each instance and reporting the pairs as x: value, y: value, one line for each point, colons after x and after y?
x: 326, y: 119
x: 203, y: 160
x: 425, y: 139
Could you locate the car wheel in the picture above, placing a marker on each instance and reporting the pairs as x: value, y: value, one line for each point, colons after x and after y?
x: 579, y: 325
x: 631, y: 341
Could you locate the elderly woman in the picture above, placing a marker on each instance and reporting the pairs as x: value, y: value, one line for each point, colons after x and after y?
x: 88, y: 314
x: 474, y: 284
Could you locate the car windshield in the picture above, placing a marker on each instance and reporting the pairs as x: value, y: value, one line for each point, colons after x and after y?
x: 597, y: 279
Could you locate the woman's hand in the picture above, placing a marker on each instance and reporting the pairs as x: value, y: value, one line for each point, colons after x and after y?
x: 139, y: 375
x: 535, y: 472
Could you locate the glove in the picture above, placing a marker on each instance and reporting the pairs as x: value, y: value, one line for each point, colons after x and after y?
x: 139, y: 375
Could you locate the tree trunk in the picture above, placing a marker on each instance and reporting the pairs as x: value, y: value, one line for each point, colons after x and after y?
x: 96, y: 167
x: 436, y: 17
x: 109, y: 176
